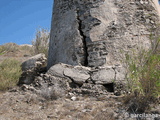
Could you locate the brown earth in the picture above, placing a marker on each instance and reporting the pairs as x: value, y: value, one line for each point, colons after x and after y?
x: 21, y: 105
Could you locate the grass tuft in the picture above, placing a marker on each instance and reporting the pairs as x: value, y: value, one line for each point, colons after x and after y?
x: 143, y: 79
x: 41, y: 41
x: 10, y: 73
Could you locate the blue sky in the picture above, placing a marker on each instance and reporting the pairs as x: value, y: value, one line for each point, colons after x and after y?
x: 19, y: 19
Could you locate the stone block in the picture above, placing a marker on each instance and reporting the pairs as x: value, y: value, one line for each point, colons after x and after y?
x: 77, y: 74
x: 104, y: 76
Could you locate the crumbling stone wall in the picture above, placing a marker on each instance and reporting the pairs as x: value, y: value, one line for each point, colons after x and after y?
x: 87, y: 44
x: 94, y: 32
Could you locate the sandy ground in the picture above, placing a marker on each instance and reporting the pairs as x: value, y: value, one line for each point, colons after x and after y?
x: 22, y: 105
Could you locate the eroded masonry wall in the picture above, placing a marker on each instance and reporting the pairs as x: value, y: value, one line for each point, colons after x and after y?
x: 97, y: 32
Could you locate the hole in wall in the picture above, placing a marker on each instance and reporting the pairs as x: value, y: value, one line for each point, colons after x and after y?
x: 75, y: 85
x: 109, y: 87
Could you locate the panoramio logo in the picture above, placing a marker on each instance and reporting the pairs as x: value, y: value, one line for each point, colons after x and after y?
x: 143, y: 115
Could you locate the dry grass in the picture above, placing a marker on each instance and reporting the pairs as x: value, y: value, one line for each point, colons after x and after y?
x: 143, y: 79
x: 41, y: 41
x: 10, y: 73
x: 14, y: 50
x: 8, y: 47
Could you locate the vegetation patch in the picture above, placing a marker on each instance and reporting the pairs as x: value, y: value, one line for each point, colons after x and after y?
x: 10, y: 73
x: 41, y: 41
x: 143, y: 78
x: 8, y: 47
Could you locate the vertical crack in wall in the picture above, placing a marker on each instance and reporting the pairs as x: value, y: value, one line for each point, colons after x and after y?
x: 85, y: 63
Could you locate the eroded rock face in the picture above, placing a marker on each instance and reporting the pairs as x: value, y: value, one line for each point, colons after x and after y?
x: 97, y: 32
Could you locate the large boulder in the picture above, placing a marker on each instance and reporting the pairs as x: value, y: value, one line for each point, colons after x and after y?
x: 32, y: 67
x: 62, y: 79
x: 37, y: 62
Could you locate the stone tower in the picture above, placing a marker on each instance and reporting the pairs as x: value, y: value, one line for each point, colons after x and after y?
x: 96, y: 32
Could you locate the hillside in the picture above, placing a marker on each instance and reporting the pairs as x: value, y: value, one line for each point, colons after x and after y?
x: 12, y: 50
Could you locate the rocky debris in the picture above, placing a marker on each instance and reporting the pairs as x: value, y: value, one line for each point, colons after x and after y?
x: 26, y: 104
x: 20, y: 104
x: 73, y: 98
x: 61, y: 79
x: 81, y: 74
x: 32, y: 67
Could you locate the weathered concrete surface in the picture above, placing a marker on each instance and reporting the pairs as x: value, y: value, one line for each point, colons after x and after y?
x: 65, y: 40
x: 97, y: 32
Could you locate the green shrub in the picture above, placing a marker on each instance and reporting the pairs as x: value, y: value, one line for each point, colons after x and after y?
x: 143, y: 78
x: 144, y: 71
x: 150, y: 76
x: 10, y: 71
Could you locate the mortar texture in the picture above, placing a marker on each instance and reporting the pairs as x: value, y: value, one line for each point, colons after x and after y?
x: 99, y: 32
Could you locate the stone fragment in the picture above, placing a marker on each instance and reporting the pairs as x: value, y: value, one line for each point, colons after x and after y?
x: 78, y: 74
x: 73, y: 98
x: 51, y: 87
x: 32, y: 67
x: 103, y: 76
x: 57, y: 70
x: 96, y: 87
x: 36, y: 62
